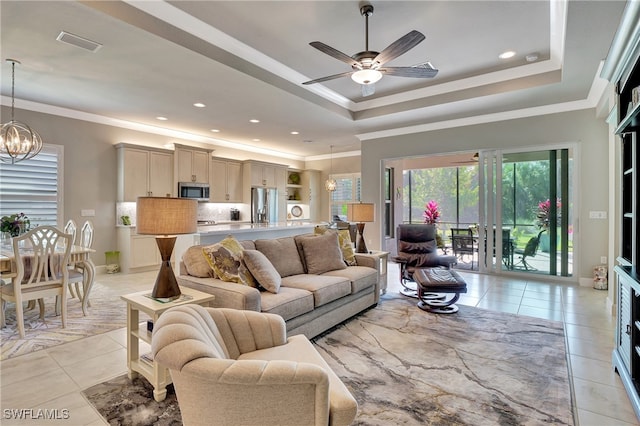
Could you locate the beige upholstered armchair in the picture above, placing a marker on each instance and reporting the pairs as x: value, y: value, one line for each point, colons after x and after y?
x: 233, y: 367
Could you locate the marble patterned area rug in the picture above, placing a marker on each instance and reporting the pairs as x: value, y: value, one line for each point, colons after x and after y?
x: 406, y: 366
x: 107, y: 312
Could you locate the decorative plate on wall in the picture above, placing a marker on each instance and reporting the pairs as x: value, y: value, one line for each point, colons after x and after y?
x: 296, y: 211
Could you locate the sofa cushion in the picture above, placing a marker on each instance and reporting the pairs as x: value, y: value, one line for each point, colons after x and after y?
x: 283, y: 255
x: 288, y: 302
x: 195, y: 261
x: 225, y: 259
x: 344, y: 240
x: 325, y: 289
x: 262, y: 270
x: 248, y: 244
x: 322, y: 253
x: 361, y: 277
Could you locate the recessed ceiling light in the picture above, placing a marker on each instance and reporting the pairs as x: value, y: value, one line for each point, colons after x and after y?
x: 215, y: 130
x: 253, y: 120
x: 256, y: 140
x: 506, y: 55
x: 199, y: 105
x: 161, y: 118
x: 295, y: 133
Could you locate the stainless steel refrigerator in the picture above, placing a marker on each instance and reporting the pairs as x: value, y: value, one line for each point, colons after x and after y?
x: 264, y: 205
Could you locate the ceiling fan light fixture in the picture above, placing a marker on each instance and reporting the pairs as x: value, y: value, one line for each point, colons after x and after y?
x: 366, y: 76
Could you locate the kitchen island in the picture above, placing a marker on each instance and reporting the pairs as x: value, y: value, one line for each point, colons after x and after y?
x: 210, y: 234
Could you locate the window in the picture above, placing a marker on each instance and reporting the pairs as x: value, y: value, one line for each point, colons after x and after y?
x: 34, y: 187
x: 347, y: 191
x: 388, y: 203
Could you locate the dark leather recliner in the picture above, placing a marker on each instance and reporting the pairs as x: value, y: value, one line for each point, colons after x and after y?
x: 417, y: 248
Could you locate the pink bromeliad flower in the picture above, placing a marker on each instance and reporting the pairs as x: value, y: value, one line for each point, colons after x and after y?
x: 431, y: 213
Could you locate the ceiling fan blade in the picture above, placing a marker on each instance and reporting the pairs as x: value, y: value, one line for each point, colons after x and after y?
x: 329, y: 77
x: 400, y: 46
x: 334, y: 53
x: 415, y: 72
x: 368, y: 89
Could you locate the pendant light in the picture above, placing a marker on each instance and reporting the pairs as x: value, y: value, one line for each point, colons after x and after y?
x: 331, y: 184
x: 17, y: 140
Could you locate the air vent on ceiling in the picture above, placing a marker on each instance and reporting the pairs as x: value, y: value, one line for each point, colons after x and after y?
x: 78, y: 41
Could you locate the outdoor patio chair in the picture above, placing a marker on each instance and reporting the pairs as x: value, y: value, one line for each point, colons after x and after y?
x: 463, y: 243
x: 529, y: 251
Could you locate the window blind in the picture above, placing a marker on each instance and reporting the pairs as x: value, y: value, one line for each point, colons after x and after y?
x: 33, y: 187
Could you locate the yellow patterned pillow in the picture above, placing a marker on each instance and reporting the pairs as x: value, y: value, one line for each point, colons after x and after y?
x: 344, y: 239
x: 225, y: 258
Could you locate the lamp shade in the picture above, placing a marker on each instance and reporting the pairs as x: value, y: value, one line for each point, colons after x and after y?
x: 166, y: 216
x: 360, y: 212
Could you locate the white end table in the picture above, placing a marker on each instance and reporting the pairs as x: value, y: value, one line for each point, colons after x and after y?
x: 383, y: 258
x: 157, y: 375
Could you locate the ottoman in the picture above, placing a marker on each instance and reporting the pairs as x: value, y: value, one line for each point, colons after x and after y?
x: 438, y: 280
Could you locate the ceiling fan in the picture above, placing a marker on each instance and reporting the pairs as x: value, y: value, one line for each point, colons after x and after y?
x: 474, y: 159
x: 368, y: 65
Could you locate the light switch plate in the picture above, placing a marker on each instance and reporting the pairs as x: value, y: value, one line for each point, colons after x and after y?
x: 87, y: 213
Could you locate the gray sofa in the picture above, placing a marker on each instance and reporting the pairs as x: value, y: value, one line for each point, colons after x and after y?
x: 317, y: 289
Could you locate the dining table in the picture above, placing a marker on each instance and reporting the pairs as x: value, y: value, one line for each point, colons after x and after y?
x: 79, y: 255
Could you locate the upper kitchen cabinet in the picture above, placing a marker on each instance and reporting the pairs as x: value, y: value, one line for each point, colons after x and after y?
x: 265, y: 174
x: 191, y: 164
x: 225, y: 181
x: 144, y: 172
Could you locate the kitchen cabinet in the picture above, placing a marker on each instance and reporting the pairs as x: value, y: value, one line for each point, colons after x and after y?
x: 262, y: 174
x: 140, y: 253
x: 143, y: 172
x: 225, y: 181
x: 191, y: 164
x: 137, y: 252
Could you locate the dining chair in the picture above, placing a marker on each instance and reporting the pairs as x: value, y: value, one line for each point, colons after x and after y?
x: 71, y: 228
x: 78, y: 271
x: 40, y: 257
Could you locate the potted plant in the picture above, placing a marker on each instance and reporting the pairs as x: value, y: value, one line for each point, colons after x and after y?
x: 15, y: 224
x: 431, y: 215
x: 543, y: 216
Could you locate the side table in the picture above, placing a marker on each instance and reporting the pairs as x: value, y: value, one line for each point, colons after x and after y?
x: 157, y: 375
x: 383, y: 258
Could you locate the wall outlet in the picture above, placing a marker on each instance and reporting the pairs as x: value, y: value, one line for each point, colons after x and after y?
x: 87, y: 213
x: 597, y: 215
x: 603, y: 260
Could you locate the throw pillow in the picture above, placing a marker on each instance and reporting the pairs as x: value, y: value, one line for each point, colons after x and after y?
x: 322, y: 253
x: 225, y: 258
x: 283, y: 255
x: 262, y: 270
x: 196, y: 263
x: 344, y: 239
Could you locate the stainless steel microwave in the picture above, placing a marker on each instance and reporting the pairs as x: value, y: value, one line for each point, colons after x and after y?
x: 194, y: 191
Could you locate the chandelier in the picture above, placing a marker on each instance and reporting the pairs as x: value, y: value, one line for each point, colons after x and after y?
x: 331, y: 184
x: 17, y: 140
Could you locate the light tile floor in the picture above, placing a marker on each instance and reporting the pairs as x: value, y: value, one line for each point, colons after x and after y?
x: 53, y: 379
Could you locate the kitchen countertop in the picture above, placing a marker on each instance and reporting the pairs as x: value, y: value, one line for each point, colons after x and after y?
x: 225, y: 228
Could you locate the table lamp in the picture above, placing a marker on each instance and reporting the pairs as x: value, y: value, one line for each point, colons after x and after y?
x: 360, y: 213
x: 165, y: 217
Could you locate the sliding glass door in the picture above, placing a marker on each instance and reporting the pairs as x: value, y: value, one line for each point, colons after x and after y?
x: 528, y: 196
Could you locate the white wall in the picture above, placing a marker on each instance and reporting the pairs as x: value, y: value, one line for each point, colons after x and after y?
x: 582, y: 127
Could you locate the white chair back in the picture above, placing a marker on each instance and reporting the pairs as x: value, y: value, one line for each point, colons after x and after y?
x: 86, y: 235
x: 71, y: 228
